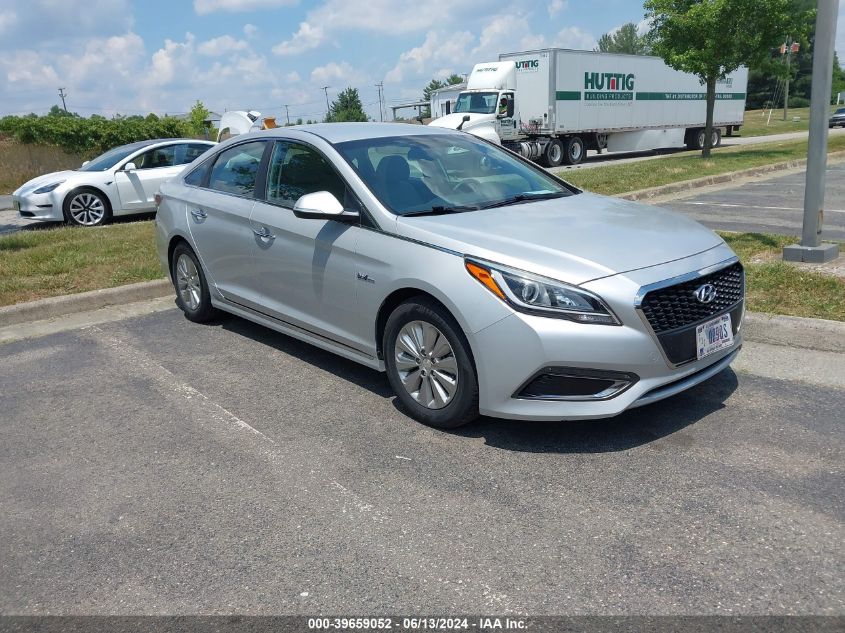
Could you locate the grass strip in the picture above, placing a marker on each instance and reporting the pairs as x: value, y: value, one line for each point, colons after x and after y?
x: 614, y: 179
x: 43, y: 263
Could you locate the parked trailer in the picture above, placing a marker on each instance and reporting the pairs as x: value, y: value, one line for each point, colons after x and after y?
x: 553, y: 105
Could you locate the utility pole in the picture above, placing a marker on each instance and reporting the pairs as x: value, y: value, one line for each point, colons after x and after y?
x: 287, y: 113
x: 788, y: 47
x: 328, y: 107
x: 380, y: 86
x: 63, y: 94
x: 811, y: 249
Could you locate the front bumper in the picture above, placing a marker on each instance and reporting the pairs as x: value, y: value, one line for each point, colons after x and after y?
x: 514, y: 350
x: 38, y: 206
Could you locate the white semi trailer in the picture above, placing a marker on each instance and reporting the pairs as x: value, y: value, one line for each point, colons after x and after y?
x: 553, y: 105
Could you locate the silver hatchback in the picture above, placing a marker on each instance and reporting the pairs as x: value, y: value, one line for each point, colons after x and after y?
x: 479, y: 282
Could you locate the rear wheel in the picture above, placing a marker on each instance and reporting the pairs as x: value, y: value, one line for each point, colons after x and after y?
x: 717, y: 137
x: 192, y: 295
x: 553, y: 154
x: 574, y: 150
x: 429, y: 366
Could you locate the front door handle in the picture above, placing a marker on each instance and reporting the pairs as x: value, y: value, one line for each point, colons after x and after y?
x: 199, y: 214
x: 263, y: 233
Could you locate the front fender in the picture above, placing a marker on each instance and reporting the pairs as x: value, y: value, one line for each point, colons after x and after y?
x: 486, y: 131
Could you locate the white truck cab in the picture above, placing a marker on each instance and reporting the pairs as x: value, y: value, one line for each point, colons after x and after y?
x: 487, y: 107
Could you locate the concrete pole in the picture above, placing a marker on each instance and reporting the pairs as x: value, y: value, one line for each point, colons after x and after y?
x: 811, y: 249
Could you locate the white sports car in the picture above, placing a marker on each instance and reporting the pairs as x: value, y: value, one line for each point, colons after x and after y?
x: 122, y: 181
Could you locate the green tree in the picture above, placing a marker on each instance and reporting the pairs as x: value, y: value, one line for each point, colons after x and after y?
x: 196, y: 118
x: 57, y: 111
x: 347, y: 107
x: 712, y: 38
x: 624, y: 40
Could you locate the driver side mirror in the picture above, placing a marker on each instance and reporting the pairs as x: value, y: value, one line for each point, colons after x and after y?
x: 322, y: 205
x: 129, y: 167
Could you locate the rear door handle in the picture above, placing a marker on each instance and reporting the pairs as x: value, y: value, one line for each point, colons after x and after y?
x: 199, y: 214
x: 263, y: 233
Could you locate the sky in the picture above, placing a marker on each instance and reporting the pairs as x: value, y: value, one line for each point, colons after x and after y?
x: 120, y: 56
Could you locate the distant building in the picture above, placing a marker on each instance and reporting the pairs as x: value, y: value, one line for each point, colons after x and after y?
x: 443, y: 99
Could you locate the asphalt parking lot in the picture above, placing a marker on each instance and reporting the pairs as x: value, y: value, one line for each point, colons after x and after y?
x: 152, y: 465
x: 767, y: 205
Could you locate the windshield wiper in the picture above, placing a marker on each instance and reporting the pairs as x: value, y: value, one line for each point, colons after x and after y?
x: 441, y: 210
x: 526, y: 197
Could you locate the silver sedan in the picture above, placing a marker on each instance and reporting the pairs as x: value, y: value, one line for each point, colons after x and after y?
x: 480, y: 283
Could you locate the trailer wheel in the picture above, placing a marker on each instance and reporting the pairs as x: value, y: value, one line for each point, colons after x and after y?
x: 717, y: 137
x: 695, y: 139
x: 574, y: 150
x: 553, y: 154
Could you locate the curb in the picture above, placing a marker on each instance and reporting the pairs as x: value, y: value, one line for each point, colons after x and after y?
x: 788, y: 331
x: 697, y: 183
x: 83, y: 301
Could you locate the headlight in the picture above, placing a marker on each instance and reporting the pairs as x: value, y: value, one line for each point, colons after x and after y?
x: 48, y: 188
x: 541, y: 296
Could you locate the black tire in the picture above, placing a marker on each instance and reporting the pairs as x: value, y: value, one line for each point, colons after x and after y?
x: 553, y: 154
x: 717, y: 136
x: 573, y: 150
x: 463, y: 406
x: 86, y: 206
x: 202, y: 311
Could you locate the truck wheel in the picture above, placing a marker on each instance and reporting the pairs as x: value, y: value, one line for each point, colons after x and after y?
x: 574, y: 150
x: 695, y: 139
x: 717, y: 136
x: 553, y: 156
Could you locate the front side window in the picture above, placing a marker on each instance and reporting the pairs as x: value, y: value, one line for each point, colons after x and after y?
x: 236, y: 169
x: 296, y: 170
x: 444, y: 173
x: 156, y: 158
x: 477, y: 102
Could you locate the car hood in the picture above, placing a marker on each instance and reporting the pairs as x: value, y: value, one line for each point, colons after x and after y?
x: 575, y: 239
x: 46, y: 179
x: 453, y: 120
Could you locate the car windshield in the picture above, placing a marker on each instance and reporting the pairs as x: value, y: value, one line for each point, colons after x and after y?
x: 477, y: 102
x: 110, y: 158
x: 445, y: 173
x: 840, y: 111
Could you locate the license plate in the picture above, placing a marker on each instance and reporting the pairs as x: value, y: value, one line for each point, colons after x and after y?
x: 714, y: 335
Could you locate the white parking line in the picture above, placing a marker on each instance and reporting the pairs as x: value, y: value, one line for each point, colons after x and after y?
x: 751, y: 206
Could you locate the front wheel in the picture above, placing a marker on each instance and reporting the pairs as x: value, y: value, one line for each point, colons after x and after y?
x: 86, y: 207
x: 429, y: 365
x: 553, y: 154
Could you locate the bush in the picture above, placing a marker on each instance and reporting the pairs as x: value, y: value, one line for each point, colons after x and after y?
x: 799, y: 102
x: 92, y: 136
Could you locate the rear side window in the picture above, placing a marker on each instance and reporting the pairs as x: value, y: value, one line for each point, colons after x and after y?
x: 235, y: 170
x: 188, y: 152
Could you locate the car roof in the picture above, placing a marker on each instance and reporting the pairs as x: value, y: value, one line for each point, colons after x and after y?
x: 341, y: 132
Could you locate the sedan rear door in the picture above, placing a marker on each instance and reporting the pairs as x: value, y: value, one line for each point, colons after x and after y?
x: 218, y: 210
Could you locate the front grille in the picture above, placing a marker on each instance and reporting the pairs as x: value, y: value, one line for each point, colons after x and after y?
x: 676, y: 306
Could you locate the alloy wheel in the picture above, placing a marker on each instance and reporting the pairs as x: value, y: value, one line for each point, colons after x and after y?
x: 426, y: 364
x: 188, y: 282
x: 87, y: 209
